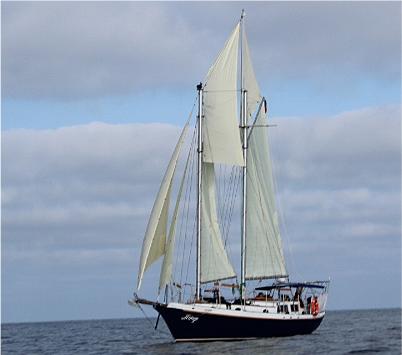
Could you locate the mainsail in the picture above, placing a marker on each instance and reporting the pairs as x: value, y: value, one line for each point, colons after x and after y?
x: 221, y: 136
x: 264, y: 254
x: 154, y: 242
x: 215, y: 264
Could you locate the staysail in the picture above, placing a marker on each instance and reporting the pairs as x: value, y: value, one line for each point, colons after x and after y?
x: 215, y: 264
x: 221, y: 136
x: 154, y: 242
x: 264, y: 253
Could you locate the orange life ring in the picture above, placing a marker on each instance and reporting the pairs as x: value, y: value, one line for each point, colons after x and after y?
x: 315, y: 308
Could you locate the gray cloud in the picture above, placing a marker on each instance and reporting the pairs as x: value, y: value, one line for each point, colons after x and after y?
x: 366, y: 155
x: 75, y: 50
x: 75, y: 203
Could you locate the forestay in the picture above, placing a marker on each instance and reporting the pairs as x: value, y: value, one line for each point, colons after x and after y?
x: 154, y: 242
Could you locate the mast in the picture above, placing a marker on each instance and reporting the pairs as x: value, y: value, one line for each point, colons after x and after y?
x: 199, y: 181
x: 243, y: 126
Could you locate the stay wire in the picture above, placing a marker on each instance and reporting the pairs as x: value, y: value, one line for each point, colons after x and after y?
x: 150, y: 322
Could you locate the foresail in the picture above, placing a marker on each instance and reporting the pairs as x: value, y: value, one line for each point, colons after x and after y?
x: 215, y: 264
x: 221, y: 134
x: 154, y: 242
x: 264, y: 253
x: 167, y: 265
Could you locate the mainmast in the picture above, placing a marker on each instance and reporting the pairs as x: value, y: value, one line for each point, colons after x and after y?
x: 199, y: 181
x: 243, y: 126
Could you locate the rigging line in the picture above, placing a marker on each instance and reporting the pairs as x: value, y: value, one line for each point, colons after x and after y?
x: 186, y: 233
x: 150, y: 322
x: 188, y: 156
x: 222, y: 201
x: 230, y: 196
x: 226, y: 188
x: 228, y: 199
x: 218, y: 182
x: 226, y: 235
x: 193, y: 237
x: 188, y: 190
x: 183, y: 182
x: 235, y: 190
x: 188, y: 200
x: 191, y: 248
x: 186, y: 230
x: 234, y: 198
x: 224, y: 197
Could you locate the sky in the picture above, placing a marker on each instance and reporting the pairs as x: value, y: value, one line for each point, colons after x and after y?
x: 93, y: 98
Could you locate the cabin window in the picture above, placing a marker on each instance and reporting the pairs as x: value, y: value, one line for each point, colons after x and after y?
x: 283, y: 309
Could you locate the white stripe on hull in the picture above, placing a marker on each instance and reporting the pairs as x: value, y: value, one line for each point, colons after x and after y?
x: 255, y: 312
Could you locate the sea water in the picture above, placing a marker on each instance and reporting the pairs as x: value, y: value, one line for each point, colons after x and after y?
x: 341, y: 332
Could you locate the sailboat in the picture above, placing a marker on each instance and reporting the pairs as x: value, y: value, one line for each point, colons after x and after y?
x: 256, y: 299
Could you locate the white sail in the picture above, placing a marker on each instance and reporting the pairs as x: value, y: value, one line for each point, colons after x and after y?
x: 154, y: 242
x: 215, y: 264
x: 249, y: 81
x: 221, y: 136
x: 264, y: 253
x: 167, y: 265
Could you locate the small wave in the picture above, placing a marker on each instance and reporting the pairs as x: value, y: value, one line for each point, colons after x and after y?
x: 115, y: 340
x: 394, y: 328
x: 81, y: 343
x: 370, y: 350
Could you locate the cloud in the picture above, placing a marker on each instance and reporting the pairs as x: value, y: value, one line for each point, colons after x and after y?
x: 337, y: 146
x: 79, y: 50
x: 75, y: 203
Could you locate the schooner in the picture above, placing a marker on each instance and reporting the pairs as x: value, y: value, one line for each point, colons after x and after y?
x: 260, y: 300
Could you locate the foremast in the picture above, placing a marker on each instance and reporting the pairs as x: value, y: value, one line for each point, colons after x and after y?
x: 244, y: 136
x: 243, y: 127
x: 199, y: 186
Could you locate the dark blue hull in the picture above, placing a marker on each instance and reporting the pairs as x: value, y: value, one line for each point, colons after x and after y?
x: 194, y: 326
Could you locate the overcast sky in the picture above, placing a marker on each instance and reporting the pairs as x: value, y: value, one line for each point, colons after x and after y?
x: 93, y: 98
